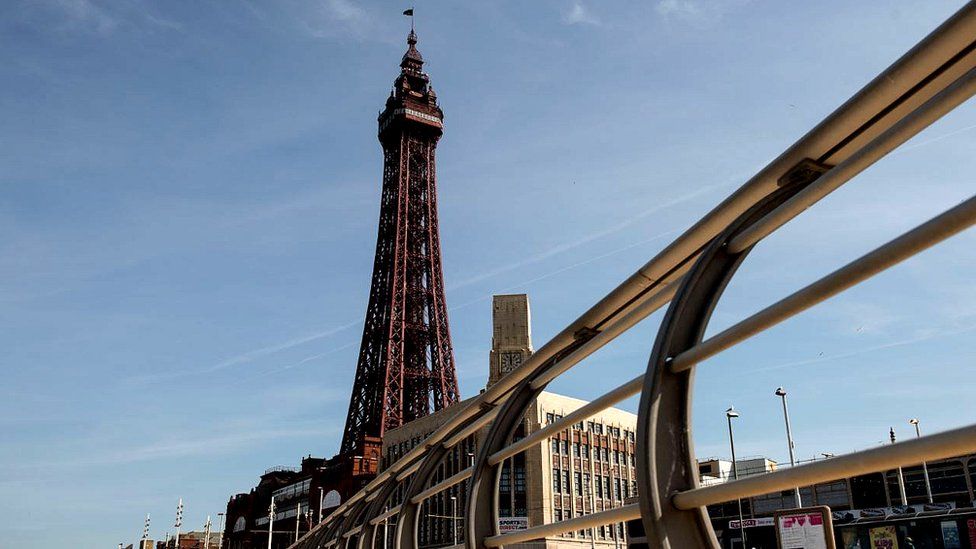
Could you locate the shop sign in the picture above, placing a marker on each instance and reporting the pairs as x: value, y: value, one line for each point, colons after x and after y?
x: 883, y: 537
x: 511, y: 524
x: 809, y: 528
x: 950, y: 535
x: 752, y: 523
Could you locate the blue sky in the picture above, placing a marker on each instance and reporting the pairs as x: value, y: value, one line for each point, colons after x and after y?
x: 190, y: 194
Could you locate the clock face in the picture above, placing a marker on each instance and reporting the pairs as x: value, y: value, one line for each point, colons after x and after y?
x: 510, y: 361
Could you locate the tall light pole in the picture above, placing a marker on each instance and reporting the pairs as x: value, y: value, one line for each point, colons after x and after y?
x: 925, y: 467
x: 220, y: 537
x: 781, y: 392
x: 298, y: 520
x: 145, y: 531
x: 901, y: 476
x: 206, y: 534
x: 321, y: 501
x: 271, y: 516
x: 729, y: 414
x: 454, y: 518
x: 179, y: 522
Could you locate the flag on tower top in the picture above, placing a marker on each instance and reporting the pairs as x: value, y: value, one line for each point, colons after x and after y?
x: 408, y: 12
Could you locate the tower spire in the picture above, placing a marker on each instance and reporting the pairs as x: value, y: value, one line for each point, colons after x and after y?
x: 406, y: 361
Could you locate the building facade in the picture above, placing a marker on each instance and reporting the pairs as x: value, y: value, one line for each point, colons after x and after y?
x: 584, y: 469
x: 858, y: 504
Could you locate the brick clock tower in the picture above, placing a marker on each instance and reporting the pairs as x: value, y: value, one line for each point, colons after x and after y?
x: 511, y: 335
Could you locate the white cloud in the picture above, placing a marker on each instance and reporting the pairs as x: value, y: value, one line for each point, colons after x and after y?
x: 678, y: 8
x: 579, y: 15
x: 339, y: 17
x: 85, y: 14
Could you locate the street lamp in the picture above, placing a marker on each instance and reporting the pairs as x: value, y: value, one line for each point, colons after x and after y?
x: 321, y: 501
x: 901, y: 476
x: 781, y: 392
x: 729, y: 414
x: 925, y: 467
x: 454, y: 518
x: 220, y: 538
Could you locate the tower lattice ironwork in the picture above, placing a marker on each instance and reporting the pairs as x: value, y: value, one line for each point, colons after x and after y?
x: 406, y: 362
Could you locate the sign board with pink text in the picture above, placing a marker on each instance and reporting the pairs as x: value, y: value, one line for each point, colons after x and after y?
x: 807, y: 528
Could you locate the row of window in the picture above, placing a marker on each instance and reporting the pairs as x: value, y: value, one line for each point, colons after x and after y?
x: 600, y: 453
x: 595, y: 427
x: 601, y: 484
x: 603, y: 532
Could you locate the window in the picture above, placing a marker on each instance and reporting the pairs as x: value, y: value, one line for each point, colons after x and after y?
x: 598, y: 428
x: 606, y: 454
x: 616, y: 488
x: 586, y: 484
x: 616, y: 457
x: 578, y: 426
x: 565, y: 447
x: 633, y: 488
x: 576, y: 449
x: 550, y: 417
x: 589, y: 426
x: 556, y: 489
x: 586, y: 450
x: 565, y: 482
x: 519, y: 480
x: 606, y: 486
x: 599, y: 488
x: 579, y: 483
x: 555, y: 446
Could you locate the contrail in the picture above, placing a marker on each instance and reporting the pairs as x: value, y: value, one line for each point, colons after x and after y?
x: 264, y: 351
x: 856, y: 352
x: 479, y: 300
x: 933, y: 140
x: 556, y: 250
x: 586, y: 239
x: 563, y: 269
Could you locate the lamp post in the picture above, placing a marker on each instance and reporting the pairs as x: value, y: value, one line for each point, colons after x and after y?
x: 901, y: 476
x: 321, y: 501
x: 729, y: 414
x: 271, y: 517
x: 179, y: 522
x: 454, y: 518
x: 220, y: 537
x: 206, y: 534
x: 298, y: 520
x: 925, y: 467
x: 781, y: 392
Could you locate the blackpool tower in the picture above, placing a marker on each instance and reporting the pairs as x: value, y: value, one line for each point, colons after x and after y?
x: 406, y: 362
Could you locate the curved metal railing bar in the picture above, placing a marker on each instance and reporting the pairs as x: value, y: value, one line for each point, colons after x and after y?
x: 932, y: 110
x: 617, y: 514
x: 860, y: 123
x: 582, y: 413
x: 882, y: 258
x: 932, y: 447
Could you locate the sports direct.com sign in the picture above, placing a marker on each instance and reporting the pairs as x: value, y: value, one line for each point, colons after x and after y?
x: 511, y: 524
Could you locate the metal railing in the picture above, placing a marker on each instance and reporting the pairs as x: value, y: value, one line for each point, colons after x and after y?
x: 689, y: 276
